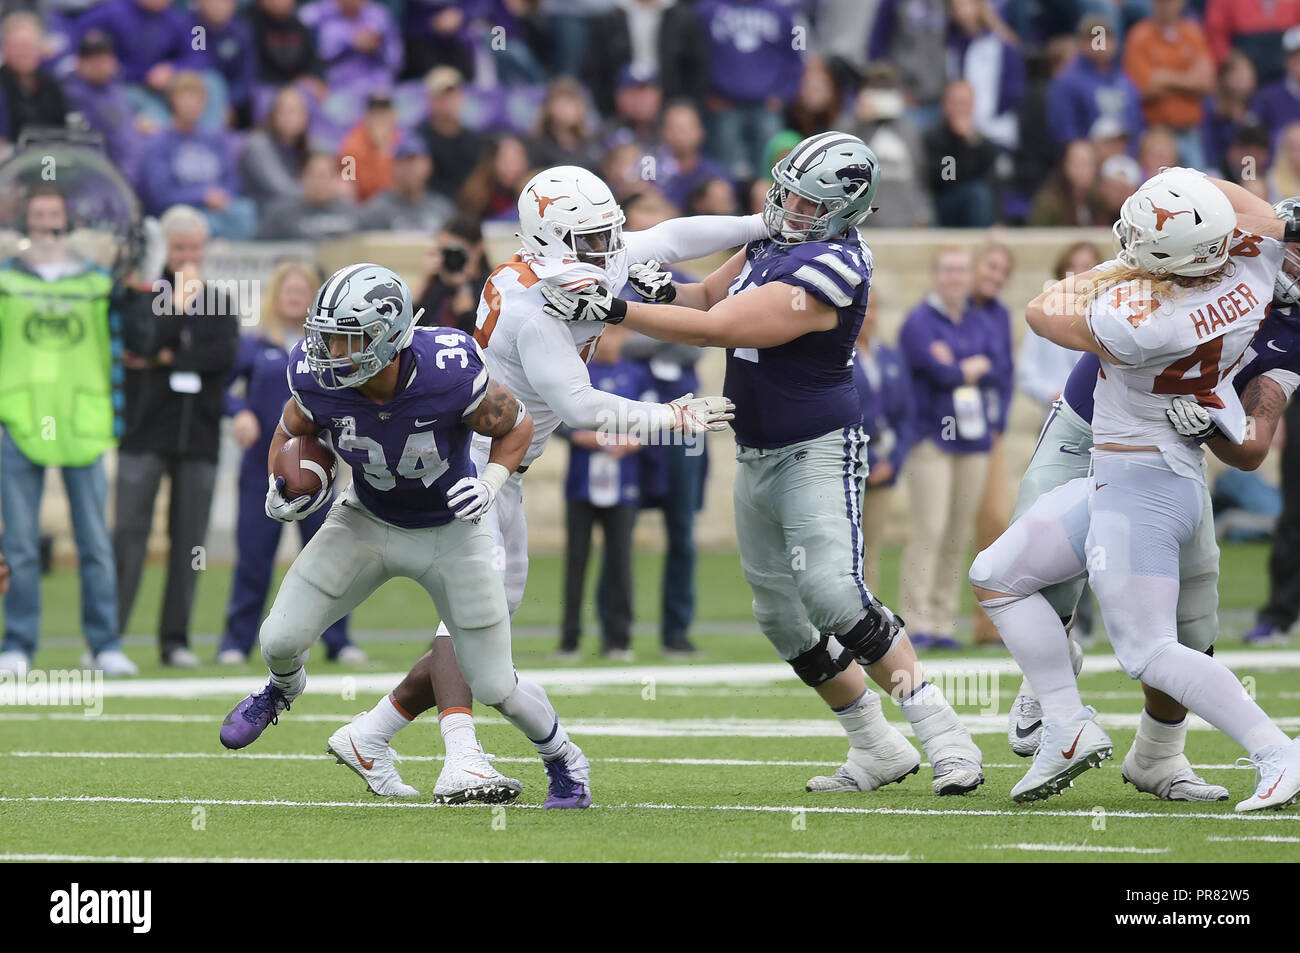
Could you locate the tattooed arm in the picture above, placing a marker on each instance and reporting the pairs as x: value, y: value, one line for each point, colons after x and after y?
x: 1264, y: 401
x: 501, y: 416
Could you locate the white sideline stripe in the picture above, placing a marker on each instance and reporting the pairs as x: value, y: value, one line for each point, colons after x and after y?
x: 633, y: 727
x: 114, y: 859
x: 1076, y: 848
x: 758, y: 673
x: 419, y: 758
x: 1270, y: 839
x: 395, y: 805
x: 823, y: 855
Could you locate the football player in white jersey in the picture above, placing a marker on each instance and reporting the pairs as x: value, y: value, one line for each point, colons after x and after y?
x: 1171, y: 317
x: 571, y: 232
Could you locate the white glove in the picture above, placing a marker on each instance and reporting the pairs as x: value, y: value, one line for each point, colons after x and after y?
x: 286, y: 511
x: 597, y: 304
x: 693, y: 415
x: 652, y: 283
x: 1190, y: 419
x: 471, y: 497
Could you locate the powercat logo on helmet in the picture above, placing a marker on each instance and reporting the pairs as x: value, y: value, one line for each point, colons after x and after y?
x: 387, y: 298
x: 855, y: 177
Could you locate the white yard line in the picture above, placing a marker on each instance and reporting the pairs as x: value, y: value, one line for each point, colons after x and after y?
x: 1076, y: 848
x: 823, y: 855
x: 1263, y: 838
x: 114, y: 859
x: 744, y: 808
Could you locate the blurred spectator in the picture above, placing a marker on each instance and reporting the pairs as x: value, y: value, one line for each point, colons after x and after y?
x: 712, y: 197
x: 881, y: 122
x: 437, y: 33
x: 961, y: 163
x: 286, y: 47
x: 1118, y: 178
x: 274, y: 154
x: 186, y: 165
x: 174, y: 396
x: 1043, y: 367
x: 1284, y: 174
x: 228, y: 50
x: 1247, y: 157
x: 492, y: 189
x: 408, y: 205
x: 911, y: 35
x: 563, y: 136
x: 1157, y: 149
x: 1092, y: 85
x: 1254, y: 27
x: 625, y: 170
x: 1109, y: 139
x: 32, y: 96
x: 95, y: 91
x: 843, y: 28
x: 993, y: 267
x: 754, y: 70
x: 637, y: 101
x: 454, y: 275
x: 358, y: 44
x: 681, y: 166
x: 603, y: 486
x: 151, y: 37
x: 885, y: 392
x: 1038, y: 152
x: 1168, y: 59
x: 654, y: 37
x: 1069, y: 196
x: 256, y: 392
x: 453, y: 148
x: 983, y: 51
x: 58, y: 411
x: 1278, y: 103
x: 948, y: 350
x: 817, y: 105
x: 322, y: 210
x: 568, y: 24
x: 366, y: 153
x: 1228, y: 108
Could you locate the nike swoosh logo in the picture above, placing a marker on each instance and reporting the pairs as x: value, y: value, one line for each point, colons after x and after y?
x: 1274, y: 347
x: 425, y: 423
x: 1100, y: 485
x: 1065, y: 449
x: 485, y: 777
x: 1026, y: 732
x: 1269, y: 792
x: 364, y: 763
x: 1067, y: 755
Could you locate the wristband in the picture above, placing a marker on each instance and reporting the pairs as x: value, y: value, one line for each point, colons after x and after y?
x: 495, y: 476
x: 671, y: 295
x: 617, y: 311
x: 1291, y: 229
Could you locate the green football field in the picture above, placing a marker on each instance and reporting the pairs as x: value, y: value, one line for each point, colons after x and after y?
x: 700, y: 760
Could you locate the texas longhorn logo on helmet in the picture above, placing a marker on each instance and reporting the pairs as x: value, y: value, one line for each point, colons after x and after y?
x: 544, y: 202
x: 1163, y: 214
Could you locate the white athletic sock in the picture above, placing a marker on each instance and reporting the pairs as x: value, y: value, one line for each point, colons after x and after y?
x: 458, y: 734
x: 384, y: 719
x: 291, y: 684
x: 1032, y: 630
x: 922, y: 703
x: 1157, y: 740
x: 862, y: 719
x: 1207, y: 687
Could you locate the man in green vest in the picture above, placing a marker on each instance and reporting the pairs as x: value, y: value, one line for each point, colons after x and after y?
x: 57, y: 406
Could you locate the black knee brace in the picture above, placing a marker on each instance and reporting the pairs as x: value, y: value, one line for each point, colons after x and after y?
x: 822, y: 662
x: 873, y: 635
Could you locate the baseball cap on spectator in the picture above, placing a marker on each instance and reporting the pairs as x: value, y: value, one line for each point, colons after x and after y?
x: 1291, y: 40
x: 411, y: 147
x: 1107, y: 127
x: 442, y: 79
x: 631, y: 75
x: 1122, y: 167
x: 95, y: 41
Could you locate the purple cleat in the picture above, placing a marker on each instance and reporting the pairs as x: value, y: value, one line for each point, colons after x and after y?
x: 249, y: 718
x: 569, y: 778
x: 1265, y: 634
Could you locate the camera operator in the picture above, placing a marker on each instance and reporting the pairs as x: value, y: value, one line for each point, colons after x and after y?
x: 455, y: 273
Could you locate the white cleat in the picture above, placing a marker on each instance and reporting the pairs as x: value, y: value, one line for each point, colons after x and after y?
x: 372, y: 760
x: 352, y: 656
x: 113, y: 663
x: 14, y: 663
x: 957, y: 761
x: 1170, y: 779
x: 471, y: 777
x: 231, y: 657
x: 1068, y: 750
x: 1277, y: 775
x: 888, y: 761
x: 1025, y: 723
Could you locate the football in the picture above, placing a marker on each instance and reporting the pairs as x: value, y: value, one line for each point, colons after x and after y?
x: 306, y: 464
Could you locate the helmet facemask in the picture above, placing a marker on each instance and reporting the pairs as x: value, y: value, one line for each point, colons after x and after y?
x: 357, y: 365
x: 603, y: 247
x: 791, y: 228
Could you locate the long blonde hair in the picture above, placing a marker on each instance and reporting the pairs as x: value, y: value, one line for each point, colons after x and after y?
x: 1161, y: 289
x: 269, y: 321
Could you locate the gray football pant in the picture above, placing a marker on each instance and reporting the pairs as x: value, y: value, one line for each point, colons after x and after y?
x: 798, y: 523
x: 1063, y: 454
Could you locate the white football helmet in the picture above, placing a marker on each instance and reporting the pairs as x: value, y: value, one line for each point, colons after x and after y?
x: 568, y: 212
x: 1177, y: 223
x: 1286, y: 286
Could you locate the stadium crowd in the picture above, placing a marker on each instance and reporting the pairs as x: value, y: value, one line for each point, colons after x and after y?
x: 277, y: 120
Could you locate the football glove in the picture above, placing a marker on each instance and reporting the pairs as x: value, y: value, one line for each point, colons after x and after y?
x: 594, y: 305
x: 694, y: 415
x: 652, y: 283
x: 471, y: 497
x: 286, y: 511
x: 1190, y: 419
